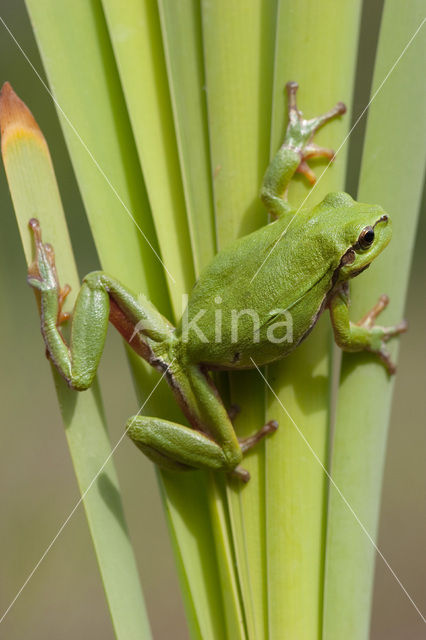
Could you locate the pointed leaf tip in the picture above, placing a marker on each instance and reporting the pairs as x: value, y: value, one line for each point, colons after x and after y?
x: 15, y: 117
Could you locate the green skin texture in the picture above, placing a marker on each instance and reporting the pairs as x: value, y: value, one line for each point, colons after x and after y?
x: 315, y: 253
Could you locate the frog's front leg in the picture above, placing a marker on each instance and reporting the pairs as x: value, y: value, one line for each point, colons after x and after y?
x: 292, y: 155
x: 364, y: 335
x: 100, y: 299
x: 210, y: 442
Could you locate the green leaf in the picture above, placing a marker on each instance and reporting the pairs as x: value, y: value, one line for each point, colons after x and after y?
x: 392, y: 174
x: 34, y: 192
x: 183, y: 47
x: 316, y: 46
x: 238, y: 51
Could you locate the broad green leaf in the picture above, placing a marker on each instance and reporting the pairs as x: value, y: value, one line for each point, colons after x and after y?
x: 316, y: 46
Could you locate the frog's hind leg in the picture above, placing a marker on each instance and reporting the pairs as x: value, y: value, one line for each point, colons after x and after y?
x: 178, y: 448
x: 211, y: 443
x: 175, y: 446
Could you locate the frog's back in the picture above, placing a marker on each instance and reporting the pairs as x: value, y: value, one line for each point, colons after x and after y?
x: 273, y: 268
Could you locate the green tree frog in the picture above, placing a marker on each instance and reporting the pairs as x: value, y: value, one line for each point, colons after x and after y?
x: 255, y: 303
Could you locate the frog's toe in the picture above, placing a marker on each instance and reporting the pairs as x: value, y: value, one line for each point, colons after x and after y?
x: 43, y: 268
x: 63, y: 293
x: 240, y: 474
x: 370, y: 317
x: 312, y: 150
x: 384, y: 356
x: 291, y: 88
x: 306, y: 170
x: 390, y: 332
x: 338, y: 110
x: 251, y: 441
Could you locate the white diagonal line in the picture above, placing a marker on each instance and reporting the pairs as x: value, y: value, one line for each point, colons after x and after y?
x: 301, y: 434
x: 80, y: 500
x: 92, y: 157
x: 343, y: 143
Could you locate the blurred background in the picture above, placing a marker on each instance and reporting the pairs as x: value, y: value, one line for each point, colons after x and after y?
x: 65, y: 599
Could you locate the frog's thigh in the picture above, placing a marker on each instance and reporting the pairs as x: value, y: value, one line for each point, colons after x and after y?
x: 175, y: 446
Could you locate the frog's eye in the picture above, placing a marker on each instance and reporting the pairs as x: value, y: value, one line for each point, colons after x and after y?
x: 366, y: 237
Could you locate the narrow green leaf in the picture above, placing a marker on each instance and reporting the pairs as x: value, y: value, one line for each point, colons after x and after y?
x: 34, y: 192
x: 316, y: 46
x: 187, y: 504
x: 392, y: 174
x: 182, y: 38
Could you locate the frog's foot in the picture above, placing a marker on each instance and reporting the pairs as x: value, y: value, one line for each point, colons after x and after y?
x: 300, y: 132
x: 251, y: 441
x: 42, y: 274
x: 381, y: 335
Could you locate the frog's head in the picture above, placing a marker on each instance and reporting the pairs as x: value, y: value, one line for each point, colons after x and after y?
x: 361, y: 231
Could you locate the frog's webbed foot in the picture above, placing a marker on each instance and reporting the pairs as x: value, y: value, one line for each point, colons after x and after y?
x: 300, y: 132
x: 381, y: 335
x: 42, y: 274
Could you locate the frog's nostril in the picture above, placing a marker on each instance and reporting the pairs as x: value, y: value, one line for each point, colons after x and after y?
x: 383, y: 218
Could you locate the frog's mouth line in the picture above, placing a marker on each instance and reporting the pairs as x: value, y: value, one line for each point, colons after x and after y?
x: 358, y: 271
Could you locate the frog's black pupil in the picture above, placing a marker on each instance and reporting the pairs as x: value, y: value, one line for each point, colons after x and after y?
x: 366, y: 238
